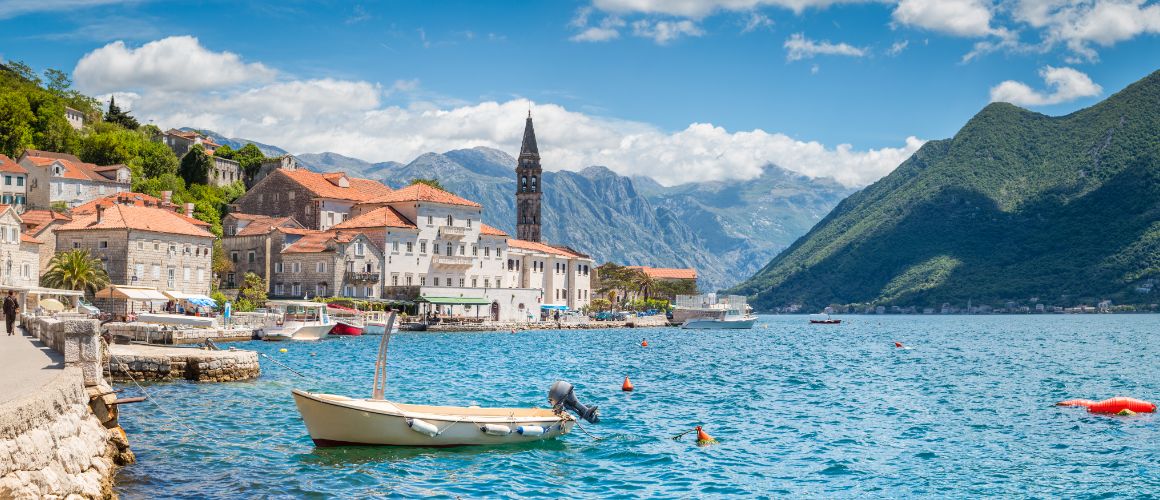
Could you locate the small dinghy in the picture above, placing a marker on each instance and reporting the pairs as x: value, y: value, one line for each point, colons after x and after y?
x: 335, y: 420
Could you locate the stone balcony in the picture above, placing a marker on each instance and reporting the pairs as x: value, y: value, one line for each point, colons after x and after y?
x: 452, y: 261
x: 361, y: 277
x: 452, y: 232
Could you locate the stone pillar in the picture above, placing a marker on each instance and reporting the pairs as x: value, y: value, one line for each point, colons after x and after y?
x: 82, y: 348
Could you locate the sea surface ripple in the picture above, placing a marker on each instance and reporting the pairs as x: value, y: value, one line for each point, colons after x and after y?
x: 965, y: 410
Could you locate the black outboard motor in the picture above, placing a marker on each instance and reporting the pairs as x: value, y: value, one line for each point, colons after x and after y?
x: 561, y: 396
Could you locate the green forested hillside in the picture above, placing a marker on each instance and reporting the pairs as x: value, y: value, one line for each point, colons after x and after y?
x: 1016, y: 205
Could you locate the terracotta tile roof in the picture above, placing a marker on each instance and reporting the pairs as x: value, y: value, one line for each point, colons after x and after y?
x: 327, y: 185
x: 379, y: 217
x: 4, y: 208
x: 667, y: 273
x: 138, y: 200
x: 263, y: 225
x: 323, y: 241
x: 487, y: 230
x: 242, y: 216
x: 158, y: 220
x: 9, y: 165
x: 34, y: 220
x: 540, y: 247
x: 298, y: 231
x: 423, y: 192
x: 25, y: 238
x: 74, y: 168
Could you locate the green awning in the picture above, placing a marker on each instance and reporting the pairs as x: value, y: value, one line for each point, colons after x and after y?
x: 455, y: 301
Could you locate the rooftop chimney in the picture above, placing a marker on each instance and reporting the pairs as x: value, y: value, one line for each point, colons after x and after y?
x: 189, y: 209
x: 166, y: 196
x: 100, y: 212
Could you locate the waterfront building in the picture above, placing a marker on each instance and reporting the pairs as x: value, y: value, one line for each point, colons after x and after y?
x: 318, y: 201
x: 254, y: 244
x: 14, y: 189
x: 19, y: 253
x: 529, y: 176
x: 60, y: 177
x: 436, y: 249
x: 330, y: 263
x: 41, y: 225
x: 75, y: 118
x: 142, y: 246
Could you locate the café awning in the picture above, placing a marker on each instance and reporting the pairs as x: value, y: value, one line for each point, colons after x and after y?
x: 554, y: 306
x: 454, y: 301
x: 192, y: 298
x: 126, y: 292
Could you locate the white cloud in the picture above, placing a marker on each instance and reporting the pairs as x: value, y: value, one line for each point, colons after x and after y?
x: 798, y: 47
x: 897, y: 47
x: 1080, y: 23
x: 697, y: 9
x: 969, y: 18
x: 607, y: 29
x: 1066, y: 84
x: 176, y: 63
x: 756, y: 21
x: 663, y: 32
x: 352, y: 118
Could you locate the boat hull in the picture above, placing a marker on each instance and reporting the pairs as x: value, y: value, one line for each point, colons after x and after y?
x: 716, y: 324
x: 825, y: 321
x: 340, y: 421
x: 346, y: 329
x: 378, y: 329
x: 296, y: 332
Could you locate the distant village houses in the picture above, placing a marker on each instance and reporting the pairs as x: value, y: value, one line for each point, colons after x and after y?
x: 64, y: 178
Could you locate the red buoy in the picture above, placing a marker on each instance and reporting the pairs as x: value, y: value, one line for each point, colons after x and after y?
x: 1086, y: 403
x: 898, y: 345
x: 703, y: 438
x: 627, y: 386
x: 1116, y: 405
x: 643, y: 343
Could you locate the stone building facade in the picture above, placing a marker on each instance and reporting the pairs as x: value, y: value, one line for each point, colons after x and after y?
x: 41, y: 225
x: 284, y: 162
x: 19, y: 253
x: 331, y: 263
x: 225, y: 171
x: 529, y: 175
x: 318, y: 201
x: 14, y: 188
x: 143, y: 246
x: 59, y: 177
x: 254, y: 244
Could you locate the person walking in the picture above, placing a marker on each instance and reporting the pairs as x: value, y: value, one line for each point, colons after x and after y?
x: 11, y: 307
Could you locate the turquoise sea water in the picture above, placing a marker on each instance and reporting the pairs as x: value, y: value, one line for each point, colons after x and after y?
x: 799, y: 410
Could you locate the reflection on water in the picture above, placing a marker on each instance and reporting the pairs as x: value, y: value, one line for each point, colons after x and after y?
x: 799, y: 410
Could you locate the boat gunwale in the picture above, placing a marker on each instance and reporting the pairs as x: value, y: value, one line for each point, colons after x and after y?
x: 560, y: 417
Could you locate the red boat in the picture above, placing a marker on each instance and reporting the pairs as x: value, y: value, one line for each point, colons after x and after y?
x: 342, y: 328
x: 347, y: 321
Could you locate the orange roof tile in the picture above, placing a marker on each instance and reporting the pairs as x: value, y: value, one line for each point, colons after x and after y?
x: 115, y: 216
x: 424, y: 192
x: 74, y: 168
x: 263, y: 225
x: 322, y: 241
x: 25, y: 238
x: 139, y: 200
x: 295, y: 230
x: 540, y: 247
x: 379, y: 217
x: 667, y: 273
x: 9, y: 165
x: 321, y: 186
x: 36, y: 219
x: 487, y: 230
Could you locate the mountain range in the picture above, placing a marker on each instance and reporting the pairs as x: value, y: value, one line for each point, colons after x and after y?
x: 1017, y: 206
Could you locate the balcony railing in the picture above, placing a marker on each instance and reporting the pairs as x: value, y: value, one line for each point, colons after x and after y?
x: 361, y: 276
x: 452, y: 232
x: 451, y: 261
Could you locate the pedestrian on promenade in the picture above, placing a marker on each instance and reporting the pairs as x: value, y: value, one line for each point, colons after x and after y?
x: 11, y: 307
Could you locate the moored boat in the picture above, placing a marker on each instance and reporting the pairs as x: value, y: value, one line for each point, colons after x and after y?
x: 735, y: 315
x: 343, y: 328
x: 824, y: 319
x: 296, y: 320
x: 334, y: 420
x: 376, y: 323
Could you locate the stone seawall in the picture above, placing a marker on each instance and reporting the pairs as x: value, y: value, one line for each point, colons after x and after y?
x: 171, y: 334
x: 142, y: 362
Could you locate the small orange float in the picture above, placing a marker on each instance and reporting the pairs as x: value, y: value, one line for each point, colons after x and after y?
x: 1116, y: 405
x: 898, y: 345
x: 627, y: 386
x: 643, y: 343
x: 703, y: 438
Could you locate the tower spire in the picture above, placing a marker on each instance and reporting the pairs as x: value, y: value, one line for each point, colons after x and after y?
x: 528, y: 147
x: 529, y: 177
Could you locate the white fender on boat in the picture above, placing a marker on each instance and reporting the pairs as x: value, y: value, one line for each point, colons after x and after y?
x: 530, y: 430
x: 422, y: 427
x: 496, y: 429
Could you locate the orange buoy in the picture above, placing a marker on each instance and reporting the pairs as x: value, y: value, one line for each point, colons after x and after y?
x: 1116, y: 405
x: 1086, y: 403
x: 898, y: 345
x: 703, y: 438
x: 627, y: 386
x: 643, y: 343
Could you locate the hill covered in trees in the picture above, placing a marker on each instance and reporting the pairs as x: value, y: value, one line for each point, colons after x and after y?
x: 1017, y: 205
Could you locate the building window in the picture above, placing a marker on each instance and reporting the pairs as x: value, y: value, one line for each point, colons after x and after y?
x: 278, y: 290
x: 277, y: 267
x: 394, y: 280
x: 474, y: 283
x: 395, y: 246
x: 233, y: 256
x: 290, y: 195
x: 156, y: 272
x: 297, y: 289
x: 409, y: 280
x: 422, y: 280
x: 497, y: 254
x: 423, y: 247
x: 435, y: 249
x: 487, y: 251
x: 251, y: 257
x: 103, y: 244
x: 320, y: 267
x: 358, y: 249
x: 435, y: 281
x: 461, y: 280
x: 139, y: 271
x: 368, y: 291
x: 173, y: 275
x: 297, y: 267
x: 487, y: 283
x: 430, y: 220
x: 20, y: 181
x: 450, y: 221
x: 449, y: 253
x: 7, y: 180
x: 410, y: 247
x: 474, y: 251
x: 24, y: 270
x: 462, y: 249
x: 468, y: 223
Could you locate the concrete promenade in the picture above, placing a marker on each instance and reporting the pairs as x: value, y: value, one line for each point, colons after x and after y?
x: 26, y: 365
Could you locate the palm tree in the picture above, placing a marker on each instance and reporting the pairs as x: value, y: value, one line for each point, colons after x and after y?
x: 643, y: 283
x: 75, y: 270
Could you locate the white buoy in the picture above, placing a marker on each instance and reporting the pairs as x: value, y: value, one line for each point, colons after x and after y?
x: 422, y: 427
x: 496, y: 429
x: 530, y: 430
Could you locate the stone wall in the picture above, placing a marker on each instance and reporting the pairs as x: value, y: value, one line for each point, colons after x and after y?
x: 169, y: 363
x: 278, y: 195
x: 171, y: 334
x: 77, y: 339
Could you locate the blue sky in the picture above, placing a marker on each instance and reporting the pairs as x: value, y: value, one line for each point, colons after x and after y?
x: 679, y: 90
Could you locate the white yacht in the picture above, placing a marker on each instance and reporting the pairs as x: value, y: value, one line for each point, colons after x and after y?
x: 728, y: 313
x: 296, y: 320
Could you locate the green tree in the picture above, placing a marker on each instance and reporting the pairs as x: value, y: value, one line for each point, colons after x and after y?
x: 225, y: 151
x: 430, y: 182
x: 250, y: 159
x: 24, y: 71
x: 641, y: 282
x: 157, y: 159
x: 122, y: 118
x: 58, y: 82
x: 195, y: 166
x: 75, y: 270
x: 16, y: 132
x: 252, y: 293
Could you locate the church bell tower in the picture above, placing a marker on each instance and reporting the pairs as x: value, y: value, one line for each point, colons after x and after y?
x: 528, y: 185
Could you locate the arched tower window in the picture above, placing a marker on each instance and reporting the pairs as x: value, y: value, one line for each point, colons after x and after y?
x: 524, y: 183
x: 533, y: 183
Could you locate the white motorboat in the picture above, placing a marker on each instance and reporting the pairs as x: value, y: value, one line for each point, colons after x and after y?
x: 334, y: 420
x: 735, y: 316
x: 376, y: 323
x: 296, y: 320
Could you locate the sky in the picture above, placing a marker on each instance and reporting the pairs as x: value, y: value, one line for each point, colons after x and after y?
x: 677, y: 90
